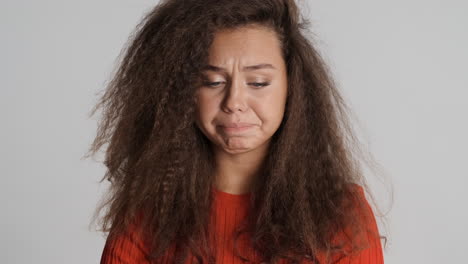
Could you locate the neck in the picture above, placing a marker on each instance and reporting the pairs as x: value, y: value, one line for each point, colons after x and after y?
x: 236, y: 173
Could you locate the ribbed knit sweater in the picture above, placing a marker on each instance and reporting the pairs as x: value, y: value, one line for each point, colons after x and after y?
x: 229, y: 210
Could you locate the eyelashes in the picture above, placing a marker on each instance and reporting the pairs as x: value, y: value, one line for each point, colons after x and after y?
x: 254, y: 84
x: 263, y: 84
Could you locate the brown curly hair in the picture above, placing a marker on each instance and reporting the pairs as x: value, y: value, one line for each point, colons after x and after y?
x: 158, y: 161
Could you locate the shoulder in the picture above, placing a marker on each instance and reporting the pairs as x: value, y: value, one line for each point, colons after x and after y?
x: 356, y: 188
x: 358, y: 241
x: 362, y: 204
x: 127, y: 246
x: 367, y: 236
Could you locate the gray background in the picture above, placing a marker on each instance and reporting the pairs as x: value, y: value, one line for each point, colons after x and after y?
x: 402, y: 65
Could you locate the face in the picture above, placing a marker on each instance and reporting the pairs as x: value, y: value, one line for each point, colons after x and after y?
x: 241, y: 102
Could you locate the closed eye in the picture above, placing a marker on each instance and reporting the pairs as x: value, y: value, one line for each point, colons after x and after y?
x: 212, y: 84
x: 260, y: 84
x: 256, y: 84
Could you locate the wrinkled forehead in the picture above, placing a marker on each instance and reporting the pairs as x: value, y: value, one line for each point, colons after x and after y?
x: 246, y: 46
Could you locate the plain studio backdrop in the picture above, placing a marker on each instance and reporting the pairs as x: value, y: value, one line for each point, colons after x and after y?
x: 402, y: 65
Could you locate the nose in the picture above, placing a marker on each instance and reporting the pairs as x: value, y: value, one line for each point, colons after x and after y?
x: 236, y: 97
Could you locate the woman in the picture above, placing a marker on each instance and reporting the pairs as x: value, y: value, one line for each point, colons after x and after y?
x: 228, y: 142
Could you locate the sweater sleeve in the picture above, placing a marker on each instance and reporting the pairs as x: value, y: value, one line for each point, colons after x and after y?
x: 126, y: 248
x: 373, y: 253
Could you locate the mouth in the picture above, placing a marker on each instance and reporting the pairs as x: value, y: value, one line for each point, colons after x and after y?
x: 236, y: 127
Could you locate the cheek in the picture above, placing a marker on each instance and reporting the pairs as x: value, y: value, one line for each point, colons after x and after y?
x: 206, y: 108
x: 271, y: 109
x: 271, y: 116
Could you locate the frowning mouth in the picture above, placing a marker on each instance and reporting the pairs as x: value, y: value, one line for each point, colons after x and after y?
x: 236, y: 127
x: 240, y: 124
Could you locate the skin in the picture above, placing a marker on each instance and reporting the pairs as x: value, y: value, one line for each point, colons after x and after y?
x: 235, y: 94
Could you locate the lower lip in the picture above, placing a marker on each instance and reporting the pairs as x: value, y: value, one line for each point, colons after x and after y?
x: 236, y: 129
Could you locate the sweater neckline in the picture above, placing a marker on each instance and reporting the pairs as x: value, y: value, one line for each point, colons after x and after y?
x: 230, y: 197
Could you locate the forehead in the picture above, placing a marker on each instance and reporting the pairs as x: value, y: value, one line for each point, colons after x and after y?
x: 247, y: 45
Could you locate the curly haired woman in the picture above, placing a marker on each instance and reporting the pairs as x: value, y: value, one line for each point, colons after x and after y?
x: 228, y: 142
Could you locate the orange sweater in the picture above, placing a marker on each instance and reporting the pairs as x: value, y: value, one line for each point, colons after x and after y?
x: 228, y: 211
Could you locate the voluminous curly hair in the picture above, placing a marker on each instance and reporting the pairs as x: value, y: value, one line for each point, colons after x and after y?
x: 159, y: 163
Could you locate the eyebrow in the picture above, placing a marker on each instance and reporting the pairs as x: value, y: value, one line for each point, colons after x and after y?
x: 246, y: 68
